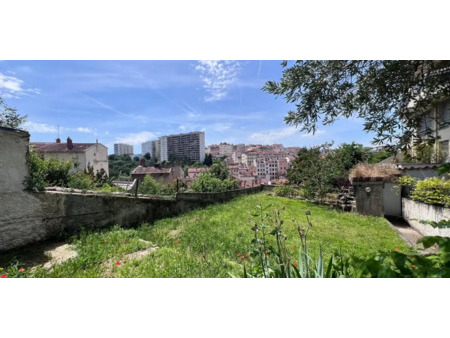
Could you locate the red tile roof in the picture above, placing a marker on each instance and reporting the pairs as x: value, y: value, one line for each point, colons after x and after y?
x: 53, y: 147
x: 196, y: 170
x: 140, y: 170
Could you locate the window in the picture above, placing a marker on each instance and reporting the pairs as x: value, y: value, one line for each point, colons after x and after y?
x: 444, y: 115
x: 426, y: 123
x: 444, y: 149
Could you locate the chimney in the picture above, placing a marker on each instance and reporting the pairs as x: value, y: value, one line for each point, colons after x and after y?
x: 69, y: 143
x: 58, y: 140
x: 142, y: 162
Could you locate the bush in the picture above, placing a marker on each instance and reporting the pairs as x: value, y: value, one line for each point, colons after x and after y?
x: 432, y: 190
x: 149, y: 186
x: 82, y: 180
x: 207, y: 182
x: 285, y: 191
x: 44, y: 173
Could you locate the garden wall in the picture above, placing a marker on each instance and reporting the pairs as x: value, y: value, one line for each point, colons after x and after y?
x: 27, y: 217
x: 414, y: 212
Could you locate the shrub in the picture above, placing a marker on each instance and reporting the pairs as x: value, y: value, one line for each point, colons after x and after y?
x: 432, y: 190
x: 45, y: 173
x: 285, y: 191
x: 82, y: 180
x: 149, y: 186
x: 207, y: 182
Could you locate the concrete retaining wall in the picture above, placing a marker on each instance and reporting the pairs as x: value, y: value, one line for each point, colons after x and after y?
x: 369, y: 198
x: 27, y: 217
x: 414, y: 212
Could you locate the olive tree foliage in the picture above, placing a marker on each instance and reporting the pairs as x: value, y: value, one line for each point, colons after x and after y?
x: 9, y: 117
x: 389, y: 95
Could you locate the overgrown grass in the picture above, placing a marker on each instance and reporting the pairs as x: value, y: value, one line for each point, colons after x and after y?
x: 205, y: 243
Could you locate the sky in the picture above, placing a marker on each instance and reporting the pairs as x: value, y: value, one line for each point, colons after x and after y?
x: 137, y: 101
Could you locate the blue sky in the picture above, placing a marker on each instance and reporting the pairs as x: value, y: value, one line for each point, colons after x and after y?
x: 136, y: 101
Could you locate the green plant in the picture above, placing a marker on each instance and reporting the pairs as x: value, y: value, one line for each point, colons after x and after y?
x: 271, y: 258
x: 50, y: 172
x: 207, y: 182
x: 9, y: 117
x: 82, y: 180
x: 432, y: 190
x: 285, y: 190
x: 149, y: 186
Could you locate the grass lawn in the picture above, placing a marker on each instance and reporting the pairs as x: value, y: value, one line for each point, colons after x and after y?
x: 205, y: 243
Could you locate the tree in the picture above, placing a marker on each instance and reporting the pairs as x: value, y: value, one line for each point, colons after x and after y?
x: 147, y: 156
x: 317, y: 171
x: 350, y: 154
x: 9, y: 117
x: 220, y: 170
x: 390, y: 96
x: 208, y: 161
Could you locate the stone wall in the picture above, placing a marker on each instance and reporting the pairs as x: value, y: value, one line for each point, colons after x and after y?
x: 13, y: 159
x: 27, y: 217
x: 414, y: 212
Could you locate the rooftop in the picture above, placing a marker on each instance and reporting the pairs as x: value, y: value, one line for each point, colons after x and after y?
x: 54, y: 147
x: 140, y: 170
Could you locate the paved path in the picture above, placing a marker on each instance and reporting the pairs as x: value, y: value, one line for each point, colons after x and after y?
x: 408, y: 234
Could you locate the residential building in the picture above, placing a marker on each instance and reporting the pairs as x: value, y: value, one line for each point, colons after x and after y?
x: 156, y: 150
x: 194, y: 172
x: 437, y: 119
x: 214, y: 150
x: 249, y: 157
x: 147, y: 148
x: 188, y: 146
x: 162, y: 175
x: 82, y: 155
x: 225, y: 149
x: 123, y: 149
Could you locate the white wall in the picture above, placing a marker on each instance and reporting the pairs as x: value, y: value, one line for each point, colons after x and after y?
x: 414, y: 212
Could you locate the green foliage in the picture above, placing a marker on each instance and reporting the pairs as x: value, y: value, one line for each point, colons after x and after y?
x: 208, y: 161
x: 317, y: 171
x: 270, y: 257
x: 407, y: 181
x: 432, y: 190
x: 350, y: 154
x: 207, y: 182
x: 285, y: 191
x: 9, y: 117
x: 44, y: 173
x: 380, y: 156
x: 121, y: 165
x: 147, y: 156
x: 219, y: 170
x: 445, y: 223
x: 150, y: 186
x: 377, y: 91
x: 426, y: 153
x: 443, y: 169
x: 205, y: 242
x: 82, y: 180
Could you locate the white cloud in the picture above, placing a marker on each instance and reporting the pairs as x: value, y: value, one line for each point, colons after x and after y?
x: 33, y: 127
x: 271, y: 136
x: 136, y: 139
x: 85, y: 130
x: 217, y: 76
x: 12, y: 87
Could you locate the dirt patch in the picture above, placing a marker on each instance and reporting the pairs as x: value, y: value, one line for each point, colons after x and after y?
x: 59, y: 254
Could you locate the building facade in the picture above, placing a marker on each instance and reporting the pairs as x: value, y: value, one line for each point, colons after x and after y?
x: 123, y: 149
x: 188, y: 146
x: 81, y: 155
x: 437, y: 119
x: 147, y: 148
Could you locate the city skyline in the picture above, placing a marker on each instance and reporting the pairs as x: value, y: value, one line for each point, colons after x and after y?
x: 133, y: 102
